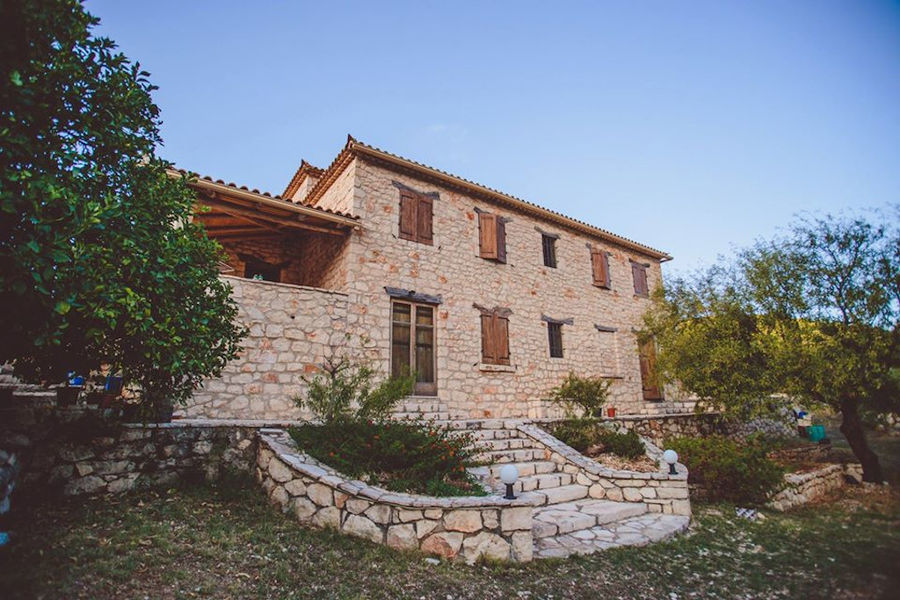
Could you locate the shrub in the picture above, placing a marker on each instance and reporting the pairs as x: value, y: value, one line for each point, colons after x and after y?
x: 626, y: 445
x: 398, y: 456
x: 730, y: 471
x: 342, y: 391
x: 587, y: 393
x: 581, y: 434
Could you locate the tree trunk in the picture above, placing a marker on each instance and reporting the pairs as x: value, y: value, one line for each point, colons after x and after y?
x: 852, y: 429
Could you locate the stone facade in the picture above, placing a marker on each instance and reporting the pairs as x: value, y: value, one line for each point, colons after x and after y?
x: 374, y: 256
x: 290, y: 330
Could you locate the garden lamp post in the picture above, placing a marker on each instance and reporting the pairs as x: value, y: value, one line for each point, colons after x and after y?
x: 509, y: 474
x: 671, y: 457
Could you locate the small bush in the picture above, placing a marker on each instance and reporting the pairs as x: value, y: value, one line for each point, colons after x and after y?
x: 398, y: 456
x: 730, y: 471
x: 587, y: 393
x: 626, y: 445
x: 582, y: 434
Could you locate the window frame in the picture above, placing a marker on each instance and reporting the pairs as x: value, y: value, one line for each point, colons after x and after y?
x: 548, y: 248
x: 551, y: 328
x: 420, y: 388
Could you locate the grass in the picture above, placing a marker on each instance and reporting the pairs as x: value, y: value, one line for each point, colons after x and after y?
x: 225, y: 541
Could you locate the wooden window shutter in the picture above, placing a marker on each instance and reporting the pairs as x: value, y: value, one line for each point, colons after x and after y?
x: 501, y: 240
x: 600, y: 267
x: 649, y: 376
x: 487, y: 235
x: 501, y: 337
x: 487, y: 339
x: 408, y: 228
x: 639, y: 274
x: 425, y: 205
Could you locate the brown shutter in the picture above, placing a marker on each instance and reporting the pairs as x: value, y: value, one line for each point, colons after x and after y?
x: 645, y: 289
x: 501, y: 240
x: 600, y: 267
x: 639, y: 273
x: 408, y: 216
x: 487, y: 235
x: 424, y: 220
x: 501, y: 337
x: 649, y: 376
x: 487, y: 339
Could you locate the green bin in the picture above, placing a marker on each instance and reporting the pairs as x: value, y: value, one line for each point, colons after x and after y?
x: 816, y: 433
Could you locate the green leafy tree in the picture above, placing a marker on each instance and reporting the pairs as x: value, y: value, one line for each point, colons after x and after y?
x: 587, y: 393
x: 813, y: 315
x: 99, y: 260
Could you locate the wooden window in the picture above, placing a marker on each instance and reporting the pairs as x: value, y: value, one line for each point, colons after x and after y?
x: 258, y: 269
x: 554, y: 334
x: 492, y: 237
x: 600, y: 267
x: 416, y: 217
x: 548, y: 242
x: 649, y: 376
x: 639, y: 274
x: 413, y: 344
x: 495, y: 337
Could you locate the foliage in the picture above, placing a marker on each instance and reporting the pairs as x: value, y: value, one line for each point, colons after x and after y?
x: 99, y: 260
x: 342, y: 391
x: 398, y: 456
x: 582, y: 434
x: 813, y: 315
x: 587, y: 393
x: 730, y: 471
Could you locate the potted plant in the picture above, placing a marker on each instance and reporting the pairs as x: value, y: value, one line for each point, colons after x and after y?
x: 611, y: 412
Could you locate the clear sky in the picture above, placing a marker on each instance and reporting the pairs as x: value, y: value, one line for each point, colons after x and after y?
x: 693, y: 127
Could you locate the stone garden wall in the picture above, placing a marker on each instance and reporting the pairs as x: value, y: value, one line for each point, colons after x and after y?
x: 661, y: 492
x: 801, y: 488
x: 460, y: 528
x: 291, y: 330
x: 660, y: 427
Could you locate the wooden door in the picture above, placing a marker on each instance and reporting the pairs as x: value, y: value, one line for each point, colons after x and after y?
x: 649, y: 376
x: 413, y: 344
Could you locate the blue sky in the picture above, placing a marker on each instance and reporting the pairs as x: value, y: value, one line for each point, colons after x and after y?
x: 694, y: 127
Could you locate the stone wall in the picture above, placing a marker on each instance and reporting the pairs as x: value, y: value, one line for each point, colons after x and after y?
x: 801, y: 488
x: 661, y: 427
x: 291, y: 330
x: 72, y: 451
x: 660, y: 491
x: 466, y: 529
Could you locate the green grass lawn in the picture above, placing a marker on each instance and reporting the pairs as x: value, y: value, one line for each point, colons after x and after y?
x: 226, y: 542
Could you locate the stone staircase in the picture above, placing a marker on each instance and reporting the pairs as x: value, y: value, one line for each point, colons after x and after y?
x: 566, y: 519
x: 422, y: 408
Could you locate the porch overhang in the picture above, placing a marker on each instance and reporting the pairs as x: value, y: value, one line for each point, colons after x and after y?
x: 229, y: 212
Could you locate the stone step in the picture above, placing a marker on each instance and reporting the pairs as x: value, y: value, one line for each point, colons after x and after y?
x: 505, y: 444
x: 512, y: 456
x: 562, y: 494
x: 527, y: 469
x: 568, y: 517
x: 426, y: 405
x: 421, y: 416
x: 632, y: 531
x: 543, y: 481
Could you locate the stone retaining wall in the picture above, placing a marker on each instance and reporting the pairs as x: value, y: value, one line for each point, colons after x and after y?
x: 460, y: 528
x: 661, y: 427
x: 661, y: 492
x: 806, y: 487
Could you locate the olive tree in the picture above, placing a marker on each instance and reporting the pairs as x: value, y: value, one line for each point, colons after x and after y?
x: 813, y: 315
x: 99, y: 260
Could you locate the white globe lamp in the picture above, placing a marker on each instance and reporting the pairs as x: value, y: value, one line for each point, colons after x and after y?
x: 509, y: 474
x: 671, y: 457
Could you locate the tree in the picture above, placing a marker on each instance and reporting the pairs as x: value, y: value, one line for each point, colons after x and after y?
x: 813, y: 315
x: 99, y: 260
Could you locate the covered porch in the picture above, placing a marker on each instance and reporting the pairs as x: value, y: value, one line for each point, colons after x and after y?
x: 272, y: 239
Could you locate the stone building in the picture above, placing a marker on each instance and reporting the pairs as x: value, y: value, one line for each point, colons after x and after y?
x: 490, y: 299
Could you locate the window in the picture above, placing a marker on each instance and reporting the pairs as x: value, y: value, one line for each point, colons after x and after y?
x: 549, y: 244
x: 492, y: 237
x: 258, y: 269
x: 639, y: 274
x: 416, y: 217
x: 649, y: 376
x: 554, y: 333
x: 495, y: 336
x: 412, y: 344
x: 600, y: 267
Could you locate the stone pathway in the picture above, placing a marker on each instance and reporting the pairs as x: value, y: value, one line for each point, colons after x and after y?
x: 636, y: 531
